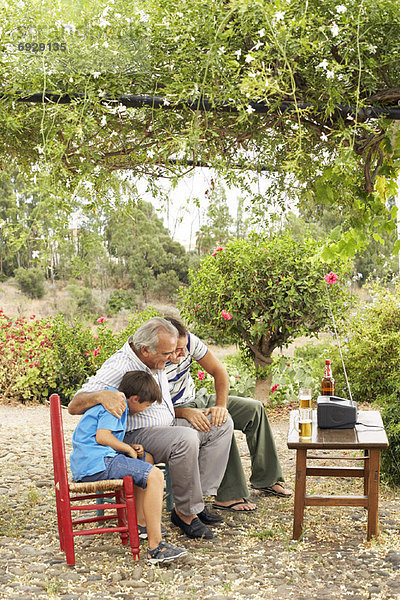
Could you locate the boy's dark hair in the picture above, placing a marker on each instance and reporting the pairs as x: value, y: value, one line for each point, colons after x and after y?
x: 141, y: 384
x: 182, y: 331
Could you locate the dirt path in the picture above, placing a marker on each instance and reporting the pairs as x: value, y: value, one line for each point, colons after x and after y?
x: 252, y: 556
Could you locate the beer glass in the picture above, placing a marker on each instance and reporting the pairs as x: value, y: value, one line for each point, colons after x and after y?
x: 305, y: 413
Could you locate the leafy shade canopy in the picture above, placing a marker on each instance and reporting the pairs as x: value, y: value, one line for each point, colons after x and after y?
x: 262, y: 293
x: 231, y: 52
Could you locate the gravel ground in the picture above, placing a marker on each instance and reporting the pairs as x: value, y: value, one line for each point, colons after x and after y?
x: 251, y: 557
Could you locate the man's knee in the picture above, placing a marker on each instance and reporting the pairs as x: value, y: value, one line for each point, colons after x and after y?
x: 186, y: 439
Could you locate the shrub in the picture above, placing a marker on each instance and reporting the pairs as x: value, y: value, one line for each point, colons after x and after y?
x: 31, y: 281
x: 167, y: 285
x: 83, y: 297
x: 27, y: 369
x: 120, y: 299
x: 391, y: 456
x: 371, y: 347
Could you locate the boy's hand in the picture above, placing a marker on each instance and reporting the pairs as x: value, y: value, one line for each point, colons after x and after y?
x: 138, y: 449
x: 131, y: 452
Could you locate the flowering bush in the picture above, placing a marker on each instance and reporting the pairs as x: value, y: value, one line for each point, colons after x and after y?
x: 26, y: 358
x: 268, y: 291
x: 41, y: 356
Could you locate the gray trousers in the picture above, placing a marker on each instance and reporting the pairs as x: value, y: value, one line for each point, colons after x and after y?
x: 196, y: 459
x: 249, y: 416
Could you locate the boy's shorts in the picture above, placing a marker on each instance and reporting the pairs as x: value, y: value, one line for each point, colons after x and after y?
x: 117, y: 467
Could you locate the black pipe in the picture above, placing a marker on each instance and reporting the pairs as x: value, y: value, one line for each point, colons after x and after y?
x: 137, y: 101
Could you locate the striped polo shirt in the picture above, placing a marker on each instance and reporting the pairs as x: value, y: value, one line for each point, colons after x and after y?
x: 110, y: 375
x: 181, y: 385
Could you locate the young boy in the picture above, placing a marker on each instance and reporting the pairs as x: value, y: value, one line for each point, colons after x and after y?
x: 100, y: 453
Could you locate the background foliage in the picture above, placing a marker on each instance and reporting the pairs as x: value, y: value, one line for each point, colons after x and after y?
x: 317, y: 57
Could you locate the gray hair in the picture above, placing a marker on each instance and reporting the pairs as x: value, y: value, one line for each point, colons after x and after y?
x: 148, y: 334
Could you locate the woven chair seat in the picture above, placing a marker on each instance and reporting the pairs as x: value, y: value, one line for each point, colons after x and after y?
x: 89, y: 487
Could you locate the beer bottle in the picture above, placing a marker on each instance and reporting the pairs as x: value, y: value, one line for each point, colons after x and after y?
x: 328, y: 383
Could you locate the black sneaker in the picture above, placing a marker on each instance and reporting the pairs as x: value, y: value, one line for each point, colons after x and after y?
x: 209, y: 518
x: 142, y: 531
x: 164, y: 553
x: 196, y: 529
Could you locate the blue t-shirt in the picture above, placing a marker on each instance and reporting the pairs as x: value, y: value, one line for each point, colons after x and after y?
x: 87, y: 456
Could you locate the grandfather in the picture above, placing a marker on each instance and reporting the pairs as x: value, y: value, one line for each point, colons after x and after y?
x: 196, y: 459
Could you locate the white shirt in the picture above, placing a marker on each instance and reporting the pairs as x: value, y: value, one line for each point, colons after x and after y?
x: 110, y: 375
x: 181, y: 384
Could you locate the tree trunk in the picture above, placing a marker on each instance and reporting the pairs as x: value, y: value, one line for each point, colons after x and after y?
x: 263, y: 384
x: 263, y: 387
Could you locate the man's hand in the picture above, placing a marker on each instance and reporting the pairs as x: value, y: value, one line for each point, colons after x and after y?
x: 114, y: 402
x: 196, y: 418
x: 219, y: 414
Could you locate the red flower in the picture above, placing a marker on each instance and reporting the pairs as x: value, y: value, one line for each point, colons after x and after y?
x: 227, y: 315
x: 101, y: 320
x: 219, y: 249
x: 288, y: 364
x: 201, y: 375
x: 274, y: 388
x: 96, y: 351
x: 331, y: 278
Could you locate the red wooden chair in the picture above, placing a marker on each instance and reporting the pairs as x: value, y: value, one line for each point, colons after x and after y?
x: 122, y: 490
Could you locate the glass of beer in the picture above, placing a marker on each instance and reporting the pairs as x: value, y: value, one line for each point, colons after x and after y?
x: 305, y: 413
x: 305, y: 397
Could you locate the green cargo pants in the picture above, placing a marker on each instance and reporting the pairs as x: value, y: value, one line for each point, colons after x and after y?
x: 250, y: 417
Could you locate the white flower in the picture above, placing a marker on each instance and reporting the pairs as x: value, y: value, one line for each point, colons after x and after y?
x: 96, y: 74
x: 151, y: 153
x: 221, y: 50
x: 105, y: 44
x: 103, y: 121
x: 166, y: 102
x: 249, y: 58
x: 238, y: 53
x: 106, y: 11
x: 71, y: 80
x: 143, y: 16
x: 341, y: 8
x: 261, y: 33
x: 69, y: 28
x: 279, y: 16
x: 103, y: 22
x: 250, y: 109
x: 323, y: 64
x: 35, y: 254
x: 258, y: 46
x: 330, y: 74
x: 323, y: 137
x: 335, y: 29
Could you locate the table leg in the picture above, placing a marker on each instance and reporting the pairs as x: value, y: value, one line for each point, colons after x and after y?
x: 299, y: 493
x: 366, y: 471
x: 373, y: 491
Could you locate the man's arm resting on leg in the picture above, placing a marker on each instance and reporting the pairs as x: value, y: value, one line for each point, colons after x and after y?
x: 216, y: 369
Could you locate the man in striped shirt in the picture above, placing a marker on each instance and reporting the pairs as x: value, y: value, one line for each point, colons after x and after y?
x: 197, y: 459
x: 248, y: 416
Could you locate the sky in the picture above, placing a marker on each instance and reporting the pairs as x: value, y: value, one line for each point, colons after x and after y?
x: 182, y: 216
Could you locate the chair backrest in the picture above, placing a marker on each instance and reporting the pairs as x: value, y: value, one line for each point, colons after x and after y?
x: 58, y: 446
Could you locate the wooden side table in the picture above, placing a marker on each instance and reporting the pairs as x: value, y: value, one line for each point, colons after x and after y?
x: 369, y: 435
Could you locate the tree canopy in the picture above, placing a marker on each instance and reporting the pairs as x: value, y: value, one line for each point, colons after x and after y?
x: 327, y: 61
